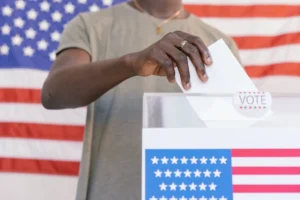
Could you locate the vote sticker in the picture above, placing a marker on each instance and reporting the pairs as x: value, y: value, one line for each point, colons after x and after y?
x: 252, y: 104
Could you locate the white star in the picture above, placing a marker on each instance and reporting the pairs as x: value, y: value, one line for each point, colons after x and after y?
x: 207, y: 173
x: 45, y: 6
x: 107, y: 2
x: 212, y: 198
x: 44, y: 25
x: 154, y: 160
x: 5, y: 29
x: 163, y: 186
x: 217, y: 173
x: 202, y: 186
x: 194, y: 160
x: 82, y: 1
x: 203, y: 198
x: 157, y: 173
x: 4, y: 49
x: 197, y: 173
x: 17, y: 40
x: 94, y: 8
x: 184, y: 160
x: 182, y: 186
x: 19, y: 22
x: 203, y: 160
x: 28, y: 51
x: 52, y: 55
x: 20, y: 4
x: 69, y: 8
x: 163, y: 198
x: 193, y: 186
x: 212, y: 186
x: 173, y: 198
x: 32, y: 14
x: 223, y: 160
x: 173, y: 186
x: 174, y: 160
x: 55, y: 36
x: 187, y: 173
x: 56, y: 16
x: 42, y: 45
x: 153, y: 198
x: 7, y: 11
x: 30, y: 33
x: 222, y: 198
x: 213, y: 160
x: 192, y: 198
x: 168, y: 173
x: 164, y: 160
x: 177, y: 173
x: 183, y: 198
x: 57, y: 1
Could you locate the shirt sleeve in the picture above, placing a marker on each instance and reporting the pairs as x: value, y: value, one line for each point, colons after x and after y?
x: 75, y: 35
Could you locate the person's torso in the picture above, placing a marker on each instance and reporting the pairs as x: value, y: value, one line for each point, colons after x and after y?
x: 113, y: 130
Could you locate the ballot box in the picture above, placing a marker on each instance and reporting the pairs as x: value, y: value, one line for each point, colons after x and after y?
x: 221, y: 147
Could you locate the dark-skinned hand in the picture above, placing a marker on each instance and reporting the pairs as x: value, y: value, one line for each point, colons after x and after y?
x: 161, y: 58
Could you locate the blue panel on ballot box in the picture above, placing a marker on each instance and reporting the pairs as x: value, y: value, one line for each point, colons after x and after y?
x: 188, y: 175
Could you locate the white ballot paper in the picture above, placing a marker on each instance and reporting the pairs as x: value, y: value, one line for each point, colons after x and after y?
x: 226, y: 76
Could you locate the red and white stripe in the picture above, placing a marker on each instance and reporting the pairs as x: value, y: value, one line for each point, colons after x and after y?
x: 266, y: 174
x: 40, y: 150
x: 267, y: 33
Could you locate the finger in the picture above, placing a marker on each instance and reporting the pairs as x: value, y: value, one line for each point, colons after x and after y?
x: 192, y: 52
x: 182, y: 64
x: 166, y: 66
x: 205, y: 54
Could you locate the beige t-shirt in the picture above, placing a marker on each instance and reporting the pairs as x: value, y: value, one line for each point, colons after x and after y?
x: 111, y: 162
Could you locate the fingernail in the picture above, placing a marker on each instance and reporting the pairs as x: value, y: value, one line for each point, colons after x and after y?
x: 205, y: 77
x: 187, y: 86
x: 209, y: 59
x: 172, y: 81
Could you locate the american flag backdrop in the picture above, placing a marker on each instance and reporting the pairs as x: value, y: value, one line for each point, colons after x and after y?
x: 222, y: 174
x: 40, y: 150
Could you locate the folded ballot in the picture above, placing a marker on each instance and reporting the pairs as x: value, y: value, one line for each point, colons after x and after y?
x: 226, y: 76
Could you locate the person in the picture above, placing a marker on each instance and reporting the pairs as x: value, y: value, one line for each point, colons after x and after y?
x: 107, y: 60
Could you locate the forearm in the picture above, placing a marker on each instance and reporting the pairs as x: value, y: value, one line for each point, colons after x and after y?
x: 77, y: 86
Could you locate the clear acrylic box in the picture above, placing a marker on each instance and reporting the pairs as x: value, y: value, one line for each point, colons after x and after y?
x: 172, y: 110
